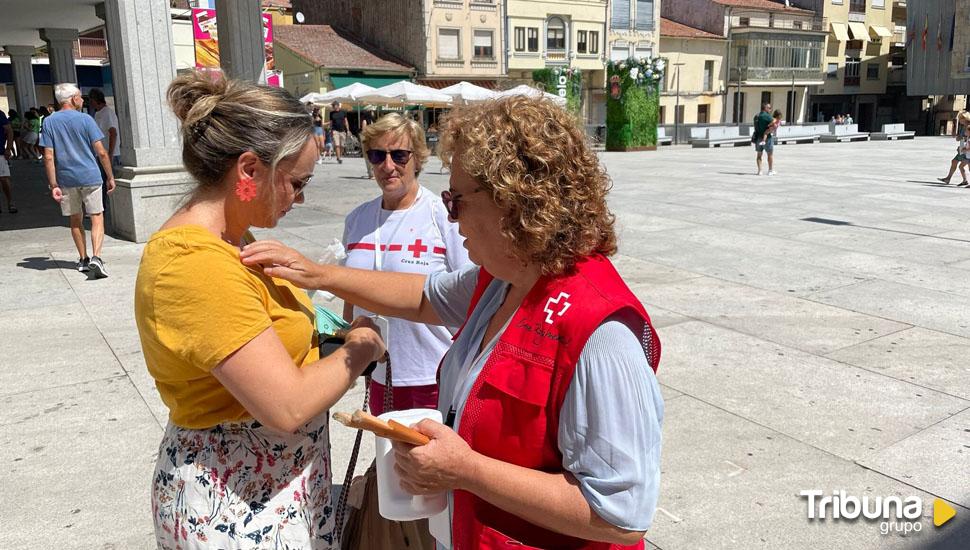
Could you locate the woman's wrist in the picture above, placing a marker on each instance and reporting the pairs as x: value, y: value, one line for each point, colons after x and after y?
x: 469, y: 474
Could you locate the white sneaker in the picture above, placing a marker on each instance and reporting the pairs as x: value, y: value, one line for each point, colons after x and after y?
x: 319, y: 161
x: 772, y: 173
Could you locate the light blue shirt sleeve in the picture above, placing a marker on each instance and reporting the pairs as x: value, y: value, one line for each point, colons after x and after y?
x: 450, y: 293
x: 609, y: 428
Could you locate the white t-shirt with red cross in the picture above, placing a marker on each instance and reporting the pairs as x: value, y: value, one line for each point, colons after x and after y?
x: 419, y: 239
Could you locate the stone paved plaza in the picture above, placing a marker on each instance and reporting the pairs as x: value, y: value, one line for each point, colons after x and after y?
x: 815, y: 329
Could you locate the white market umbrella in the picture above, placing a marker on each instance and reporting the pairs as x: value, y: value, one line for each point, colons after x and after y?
x: 407, y: 93
x: 526, y: 90
x: 466, y: 92
x: 347, y: 94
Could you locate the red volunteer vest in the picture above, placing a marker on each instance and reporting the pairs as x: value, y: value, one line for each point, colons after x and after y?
x: 512, y: 412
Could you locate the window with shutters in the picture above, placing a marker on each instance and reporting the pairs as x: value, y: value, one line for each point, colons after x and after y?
x: 594, y: 42
x: 620, y: 18
x: 449, y: 44
x: 644, y: 19
x: 482, y: 45
x: 520, y: 39
x: 708, y: 76
x: 533, y: 39
x: 581, y: 44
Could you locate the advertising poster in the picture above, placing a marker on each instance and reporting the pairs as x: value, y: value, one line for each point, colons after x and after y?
x: 205, y: 35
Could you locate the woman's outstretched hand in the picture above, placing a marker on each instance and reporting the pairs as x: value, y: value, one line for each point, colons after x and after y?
x: 278, y: 260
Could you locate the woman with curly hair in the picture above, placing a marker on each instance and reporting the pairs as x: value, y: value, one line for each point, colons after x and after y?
x: 553, y: 411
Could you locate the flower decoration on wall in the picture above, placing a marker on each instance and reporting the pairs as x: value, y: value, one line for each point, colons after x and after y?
x: 645, y: 70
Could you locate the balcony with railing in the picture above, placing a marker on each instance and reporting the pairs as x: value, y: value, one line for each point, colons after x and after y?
x: 899, y: 35
x: 776, y: 74
x: 91, y: 48
x: 754, y: 20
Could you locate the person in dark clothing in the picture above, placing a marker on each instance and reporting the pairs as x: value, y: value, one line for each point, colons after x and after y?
x: 338, y: 127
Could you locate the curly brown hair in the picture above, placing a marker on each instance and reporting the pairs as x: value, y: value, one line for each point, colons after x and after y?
x: 531, y: 155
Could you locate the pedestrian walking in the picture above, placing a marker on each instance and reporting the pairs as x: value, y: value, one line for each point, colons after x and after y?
x: 761, y: 123
x: 338, y: 127
x: 107, y: 122
x: 73, y: 148
x: 366, y: 119
x: 962, y: 134
x: 7, y: 146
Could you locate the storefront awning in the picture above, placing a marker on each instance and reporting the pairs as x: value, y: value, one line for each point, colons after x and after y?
x: 840, y: 31
x: 858, y: 31
x: 339, y: 81
x: 882, y: 32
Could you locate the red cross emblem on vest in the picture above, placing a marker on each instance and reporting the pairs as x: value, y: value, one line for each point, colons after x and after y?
x: 417, y: 248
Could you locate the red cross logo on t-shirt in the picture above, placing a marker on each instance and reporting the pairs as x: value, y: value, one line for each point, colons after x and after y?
x: 417, y: 248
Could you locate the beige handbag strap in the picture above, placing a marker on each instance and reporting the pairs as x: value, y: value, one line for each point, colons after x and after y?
x: 341, y: 509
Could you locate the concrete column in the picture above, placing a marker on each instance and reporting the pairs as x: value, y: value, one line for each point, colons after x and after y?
x: 60, y: 50
x: 151, y: 181
x: 240, y: 28
x: 23, y: 76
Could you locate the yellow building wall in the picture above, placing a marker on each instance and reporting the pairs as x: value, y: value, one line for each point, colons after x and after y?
x: 693, y: 53
x: 299, y: 76
x: 872, y: 51
x: 467, y: 18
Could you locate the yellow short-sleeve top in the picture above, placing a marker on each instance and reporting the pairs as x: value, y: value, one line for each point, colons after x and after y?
x: 196, y: 304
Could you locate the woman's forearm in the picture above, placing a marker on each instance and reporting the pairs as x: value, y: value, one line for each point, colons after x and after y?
x: 392, y: 294
x: 552, y: 501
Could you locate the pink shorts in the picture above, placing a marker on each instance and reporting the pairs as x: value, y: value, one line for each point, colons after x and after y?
x: 408, y: 397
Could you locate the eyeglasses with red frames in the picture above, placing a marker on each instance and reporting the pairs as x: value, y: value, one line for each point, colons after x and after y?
x: 400, y: 157
x: 453, y: 202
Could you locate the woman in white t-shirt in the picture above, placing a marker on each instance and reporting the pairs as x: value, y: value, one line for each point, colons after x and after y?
x: 405, y: 230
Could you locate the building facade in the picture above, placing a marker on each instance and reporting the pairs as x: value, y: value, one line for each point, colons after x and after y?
x: 446, y: 41
x: 856, y: 61
x: 694, y: 87
x: 318, y: 58
x: 560, y: 33
x: 775, y: 53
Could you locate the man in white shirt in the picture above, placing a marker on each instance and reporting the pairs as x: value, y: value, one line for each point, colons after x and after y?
x: 107, y: 122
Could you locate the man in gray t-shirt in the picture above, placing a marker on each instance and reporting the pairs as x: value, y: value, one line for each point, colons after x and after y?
x: 72, y: 149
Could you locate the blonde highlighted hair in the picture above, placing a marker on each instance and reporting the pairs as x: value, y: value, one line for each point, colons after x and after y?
x: 223, y: 118
x: 398, y: 125
x: 533, y: 159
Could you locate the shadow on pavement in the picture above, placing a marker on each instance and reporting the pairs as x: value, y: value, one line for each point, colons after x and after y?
x: 30, y: 193
x: 40, y: 263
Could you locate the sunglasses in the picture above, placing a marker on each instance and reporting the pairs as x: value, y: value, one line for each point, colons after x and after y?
x: 452, y: 202
x: 400, y: 157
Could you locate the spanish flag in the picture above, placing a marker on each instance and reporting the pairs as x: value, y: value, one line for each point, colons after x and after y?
x: 926, y: 29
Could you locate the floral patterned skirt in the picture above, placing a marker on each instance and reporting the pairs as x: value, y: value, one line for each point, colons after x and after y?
x: 243, y: 485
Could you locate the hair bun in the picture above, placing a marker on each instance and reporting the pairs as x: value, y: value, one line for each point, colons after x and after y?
x: 194, y: 95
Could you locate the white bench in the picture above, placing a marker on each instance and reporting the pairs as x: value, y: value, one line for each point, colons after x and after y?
x: 716, y: 136
x: 893, y: 132
x: 663, y: 138
x: 806, y: 133
x: 843, y: 133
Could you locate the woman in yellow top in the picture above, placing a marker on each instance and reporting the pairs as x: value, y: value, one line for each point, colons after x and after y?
x: 244, y: 462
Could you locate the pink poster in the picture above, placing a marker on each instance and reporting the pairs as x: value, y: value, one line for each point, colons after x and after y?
x: 205, y: 35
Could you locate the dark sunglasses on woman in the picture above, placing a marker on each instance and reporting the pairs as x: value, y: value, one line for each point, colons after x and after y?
x: 400, y: 157
x: 452, y: 202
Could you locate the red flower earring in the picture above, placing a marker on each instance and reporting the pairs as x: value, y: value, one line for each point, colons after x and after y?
x: 246, y: 189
